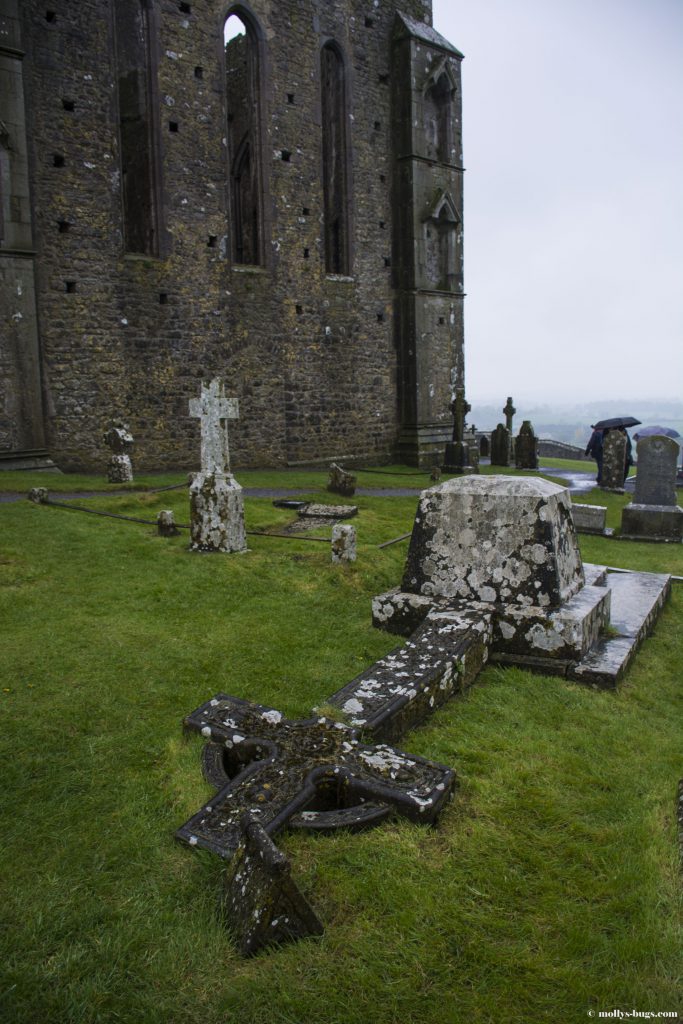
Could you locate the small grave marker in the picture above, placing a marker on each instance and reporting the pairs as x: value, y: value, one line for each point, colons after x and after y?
x: 120, y: 441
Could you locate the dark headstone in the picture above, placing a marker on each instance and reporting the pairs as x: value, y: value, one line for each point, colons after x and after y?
x: 166, y: 526
x: 613, y: 461
x: 500, y: 446
x: 526, y: 447
x: 656, y: 476
x: 341, y: 482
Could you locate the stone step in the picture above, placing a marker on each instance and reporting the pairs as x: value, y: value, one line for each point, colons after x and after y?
x: 29, y: 458
x: 637, y: 599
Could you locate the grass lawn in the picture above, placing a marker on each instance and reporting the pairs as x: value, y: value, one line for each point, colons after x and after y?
x: 550, y: 887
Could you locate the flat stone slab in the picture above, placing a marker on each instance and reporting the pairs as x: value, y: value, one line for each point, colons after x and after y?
x: 317, y: 510
x: 637, y: 599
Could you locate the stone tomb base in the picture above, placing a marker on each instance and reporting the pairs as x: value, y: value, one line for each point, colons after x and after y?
x: 506, y: 549
x: 663, y: 523
x: 217, y: 513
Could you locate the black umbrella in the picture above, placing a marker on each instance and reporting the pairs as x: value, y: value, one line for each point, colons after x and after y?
x: 649, y: 431
x: 616, y: 421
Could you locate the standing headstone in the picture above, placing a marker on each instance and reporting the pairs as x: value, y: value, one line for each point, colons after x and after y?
x: 654, y: 514
x: 120, y: 441
x: 613, y: 461
x: 216, y: 502
x: 472, y: 448
x: 500, y: 446
x: 341, y: 482
x: 166, y: 526
x: 526, y: 447
x: 38, y: 495
x: 343, y: 543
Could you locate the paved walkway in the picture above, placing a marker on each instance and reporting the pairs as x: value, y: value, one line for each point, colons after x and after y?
x: 577, y: 482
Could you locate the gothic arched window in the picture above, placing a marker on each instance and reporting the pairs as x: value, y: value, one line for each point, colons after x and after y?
x: 334, y: 165
x: 438, y: 114
x: 138, y: 128
x: 243, y: 137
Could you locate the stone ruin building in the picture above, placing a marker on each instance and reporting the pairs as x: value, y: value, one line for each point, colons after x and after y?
x: 283, y: 211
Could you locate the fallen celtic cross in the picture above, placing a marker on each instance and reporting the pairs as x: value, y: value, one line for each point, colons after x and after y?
x: 493, y: 566
x: 319, y: 774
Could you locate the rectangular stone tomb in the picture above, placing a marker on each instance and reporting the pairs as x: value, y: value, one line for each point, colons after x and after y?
x: 507, y: 549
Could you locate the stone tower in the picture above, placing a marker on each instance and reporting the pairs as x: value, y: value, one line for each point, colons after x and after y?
x: 267, y: 193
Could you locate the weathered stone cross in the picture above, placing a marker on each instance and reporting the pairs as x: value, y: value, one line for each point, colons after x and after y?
x: 280, y: 766
x: 214, y: 410
x: 271, y: 772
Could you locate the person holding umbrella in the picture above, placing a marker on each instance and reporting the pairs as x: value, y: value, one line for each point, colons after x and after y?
x: 594, y: 449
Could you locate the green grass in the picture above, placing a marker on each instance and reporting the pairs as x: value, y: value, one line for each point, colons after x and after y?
x: 550, y: 886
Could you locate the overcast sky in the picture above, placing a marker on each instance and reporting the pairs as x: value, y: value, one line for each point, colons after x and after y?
x: 573, y: 144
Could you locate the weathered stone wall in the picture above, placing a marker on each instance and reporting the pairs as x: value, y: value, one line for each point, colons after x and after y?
x: 20, y: 395
x: 310, y: 356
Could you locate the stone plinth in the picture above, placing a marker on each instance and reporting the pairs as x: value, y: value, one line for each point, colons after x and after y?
x: 589, y: 518
x: 120, y: 470
x: 457, y: 458
x: 652, y: 522
x: 217, y: 513
x: 495, y: 539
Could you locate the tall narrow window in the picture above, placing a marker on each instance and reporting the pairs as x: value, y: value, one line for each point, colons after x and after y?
x: 335, y: 191
x: 243, y: 135
x: 138, y: 133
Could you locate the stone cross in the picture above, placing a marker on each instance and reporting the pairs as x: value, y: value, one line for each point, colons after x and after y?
x: 459, y: 408
x: 509, y: 411
x: 214, y: 410
x: 279, y: 766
